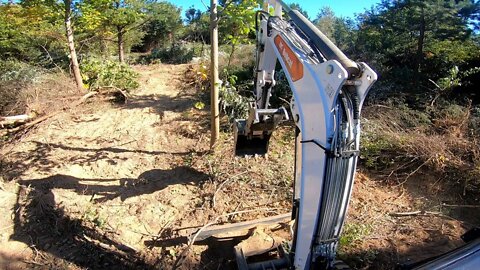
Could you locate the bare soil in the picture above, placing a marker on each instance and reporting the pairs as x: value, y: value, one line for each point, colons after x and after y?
x: 123, y: 186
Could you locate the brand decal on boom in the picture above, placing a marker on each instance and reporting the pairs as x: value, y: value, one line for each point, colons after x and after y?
x: 294, y: 66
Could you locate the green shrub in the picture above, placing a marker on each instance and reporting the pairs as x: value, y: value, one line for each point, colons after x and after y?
x: 376, y: 149
x: 234, y: 105
x: 176, y: 54
x: 409, y: 118
x: 352, y: 232
x: 14, y: 77
x: 282, y: 93
x: 234, y: 94
x: 13, y: 70
x: 453, y: 111
x: 99, y: 74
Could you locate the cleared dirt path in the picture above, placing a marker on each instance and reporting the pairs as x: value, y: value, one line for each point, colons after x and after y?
x: 119, y: 169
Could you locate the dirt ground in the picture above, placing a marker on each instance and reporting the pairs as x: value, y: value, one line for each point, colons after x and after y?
x: 124, y: 186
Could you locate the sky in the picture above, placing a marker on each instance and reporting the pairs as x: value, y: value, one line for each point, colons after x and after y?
x: 344, y: 8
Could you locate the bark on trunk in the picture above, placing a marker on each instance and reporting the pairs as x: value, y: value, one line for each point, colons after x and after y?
x: 230, y: 57
x: 421, y: 40
x: 121, y: 56
x: 214, y: 92
x: 71, y: 46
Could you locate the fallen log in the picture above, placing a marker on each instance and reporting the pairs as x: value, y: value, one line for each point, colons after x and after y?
x: 15, y: 120
x: 28, y: 124
x: 245, y: 225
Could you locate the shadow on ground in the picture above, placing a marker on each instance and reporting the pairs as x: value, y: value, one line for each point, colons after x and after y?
x: 397, y: 254
x: 161, y: 103
x: 432, y: 191
x: 39, y: 157
x: 146, y: 183
x: 182, y: 103
x: 41, y: 223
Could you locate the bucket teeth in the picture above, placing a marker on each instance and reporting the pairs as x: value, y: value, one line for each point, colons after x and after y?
x: 249, y: 145
x: 252, y: 135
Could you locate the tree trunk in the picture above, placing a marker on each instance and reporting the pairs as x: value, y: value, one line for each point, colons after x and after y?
x: 230, y: 57
x: 71, y: 46
x: 121, y: 56
x: 215, y: 112
x: 421, y: 39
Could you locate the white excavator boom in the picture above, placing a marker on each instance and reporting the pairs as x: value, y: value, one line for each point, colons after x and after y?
x: 328, y: 93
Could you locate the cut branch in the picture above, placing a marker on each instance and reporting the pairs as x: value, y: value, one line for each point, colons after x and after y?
x: 183, y: 255
x: 26, y: 125
x: 462, y: 205
x: 13, y: 121
x: 416, y: 213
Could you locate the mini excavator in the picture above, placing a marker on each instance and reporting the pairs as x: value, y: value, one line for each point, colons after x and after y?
x: 328, y: 91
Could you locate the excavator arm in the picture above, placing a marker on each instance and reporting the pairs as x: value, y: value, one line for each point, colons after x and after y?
x: 328, y: 92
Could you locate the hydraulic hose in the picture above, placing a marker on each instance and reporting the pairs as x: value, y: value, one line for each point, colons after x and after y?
x: 325, y: 45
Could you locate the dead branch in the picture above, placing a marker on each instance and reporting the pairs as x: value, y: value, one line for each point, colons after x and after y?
x: 416, y: 213
x: 413, y: 172
x: 381, y: 106
x: 120, y: 247
x: 75, y: 104
x: 184, y: 253
x: 461, y: 205
x: 224, y: 183
x: 402, y: 166
x: 245, y: 225
x: 12, y: 121
x: 51, y: 59
x: 33, y: 262
x: 116, y: 90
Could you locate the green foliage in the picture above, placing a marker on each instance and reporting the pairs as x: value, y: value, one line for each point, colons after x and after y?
x: 14, y: 76
x: 454, y: 79
x: 353, y: 232
x: 238, y: 21
x: 374, y: 147
x: 199, y: 105
x: 198, y: 25
x: 104, y: 13
x: 101, y: 74
x: 282, y: 93
x: 451, y: 81
x: 163, y: 26
x: 13, y: 70
x: 176, y: 54
x: 341, y: 31
x: 234, y: 105
x: 325, y: 21
x: 453, y: 52
x: 94, y: 216
x: 451, y: 111
x: 29, y: 30
x: 113, y: 20
x: 412, y: 42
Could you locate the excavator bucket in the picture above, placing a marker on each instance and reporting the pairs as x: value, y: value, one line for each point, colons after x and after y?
x: 252, y: 135
x: 246, y: 144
